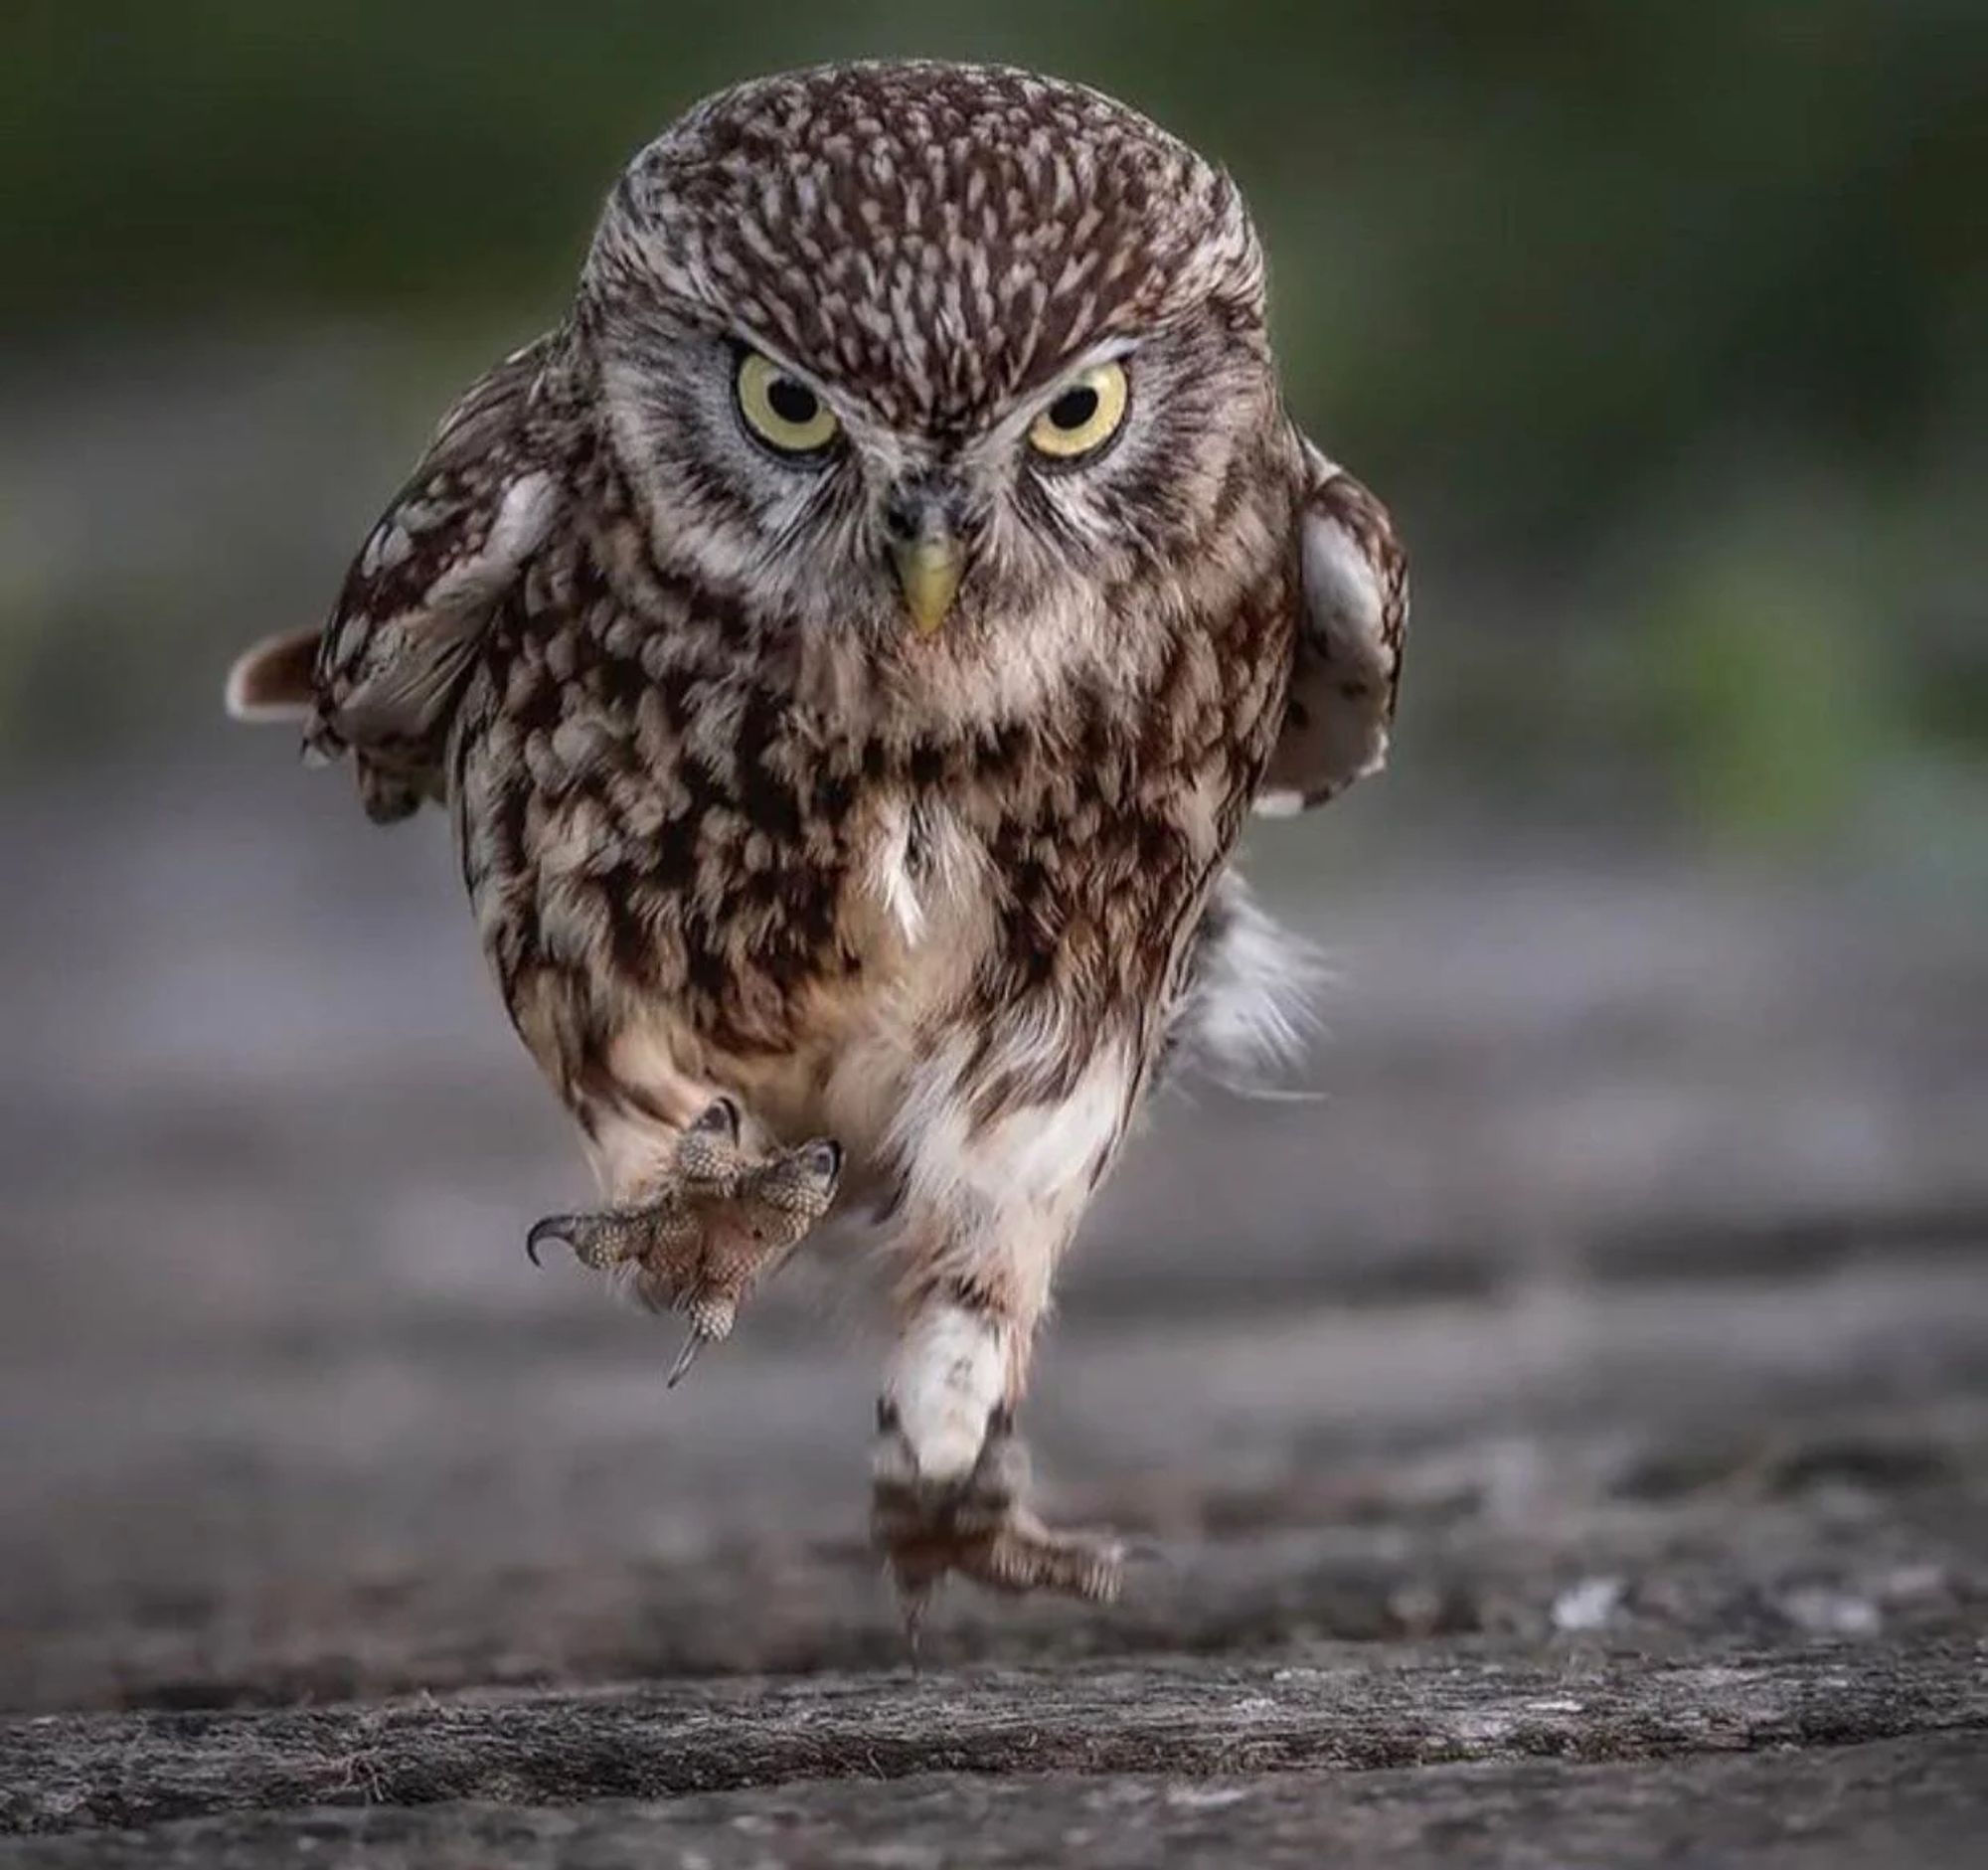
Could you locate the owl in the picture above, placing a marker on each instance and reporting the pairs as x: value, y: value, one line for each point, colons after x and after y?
x: 848, y: 647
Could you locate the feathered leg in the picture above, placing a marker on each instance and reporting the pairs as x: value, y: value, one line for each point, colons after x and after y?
x: 988, y: 1211
x: 932, y: 1512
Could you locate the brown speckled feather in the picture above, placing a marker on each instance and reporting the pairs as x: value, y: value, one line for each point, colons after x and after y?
x: 744, y: 817
x: 418, y: 604
x: 1346, y: 669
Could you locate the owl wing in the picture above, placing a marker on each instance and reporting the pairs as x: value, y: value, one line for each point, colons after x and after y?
x: 382, y: 677
x: 1346, y: 661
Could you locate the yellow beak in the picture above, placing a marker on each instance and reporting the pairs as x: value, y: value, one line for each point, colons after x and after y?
x: 929, y: 568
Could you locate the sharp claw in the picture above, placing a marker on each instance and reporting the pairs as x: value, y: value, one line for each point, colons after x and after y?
x: 720, y: 1118
x: 824, y: 1157
x: 581, y: 1233
x: 553, y: 1226
x: 692, y: 1345
x: 912, y: 1606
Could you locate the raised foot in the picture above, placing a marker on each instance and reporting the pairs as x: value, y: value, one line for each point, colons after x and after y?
x: 980, y: 1526
x: 719, y: 1223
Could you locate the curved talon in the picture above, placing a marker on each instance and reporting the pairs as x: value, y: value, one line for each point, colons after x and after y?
x: 911, y: 1607
x: 591, y: 1237
x: 557, y: 1226
x: 720, y: 1118
x: 692, y: 1345
x: 710, y: 1322
x: 823, y: 1157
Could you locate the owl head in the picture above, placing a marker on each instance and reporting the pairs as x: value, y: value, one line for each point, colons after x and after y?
x: 918, y: 354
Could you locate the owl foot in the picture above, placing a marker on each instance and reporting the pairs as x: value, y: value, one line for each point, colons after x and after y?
x: 719, y: 1223
x: 980, y: 1526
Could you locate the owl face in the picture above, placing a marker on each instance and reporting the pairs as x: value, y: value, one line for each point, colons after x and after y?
x: 916, y: 352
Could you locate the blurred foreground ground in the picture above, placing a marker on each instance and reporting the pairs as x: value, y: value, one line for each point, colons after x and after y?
x: 1563, y: 1440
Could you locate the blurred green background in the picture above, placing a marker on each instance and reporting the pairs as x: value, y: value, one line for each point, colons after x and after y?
x: 1661, y: 328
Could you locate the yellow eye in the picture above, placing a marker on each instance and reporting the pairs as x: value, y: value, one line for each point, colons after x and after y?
x: 1084, y: 416
x: 780, y: 408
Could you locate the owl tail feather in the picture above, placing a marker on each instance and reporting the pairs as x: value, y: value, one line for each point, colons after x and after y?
x: 273, y: 680
x: 1249, y: 1009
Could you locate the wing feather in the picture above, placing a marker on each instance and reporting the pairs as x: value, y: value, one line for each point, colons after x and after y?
x: 1347, y: 663
x: 390, y: 663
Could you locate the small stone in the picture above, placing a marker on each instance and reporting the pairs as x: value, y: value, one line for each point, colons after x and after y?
x: 1828, y: 1613
x: 1589, y: 1605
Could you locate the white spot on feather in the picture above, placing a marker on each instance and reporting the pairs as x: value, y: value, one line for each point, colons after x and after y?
x: 891, y: 874
x: 388, y: 547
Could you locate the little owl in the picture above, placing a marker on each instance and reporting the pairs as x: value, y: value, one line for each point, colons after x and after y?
x: 848, y: 647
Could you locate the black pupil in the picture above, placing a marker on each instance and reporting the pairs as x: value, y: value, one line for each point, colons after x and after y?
x: 791, y: 402
x: 1073, y: 409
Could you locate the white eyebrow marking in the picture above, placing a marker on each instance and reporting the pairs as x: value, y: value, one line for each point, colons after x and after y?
x: 1014, y: 423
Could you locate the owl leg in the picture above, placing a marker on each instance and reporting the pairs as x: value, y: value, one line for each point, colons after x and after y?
x: 709, y: 1228
x: 989, y: 1201
x: 950, y: 1477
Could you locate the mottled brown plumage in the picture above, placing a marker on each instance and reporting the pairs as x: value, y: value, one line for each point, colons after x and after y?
x: 848, y: 645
